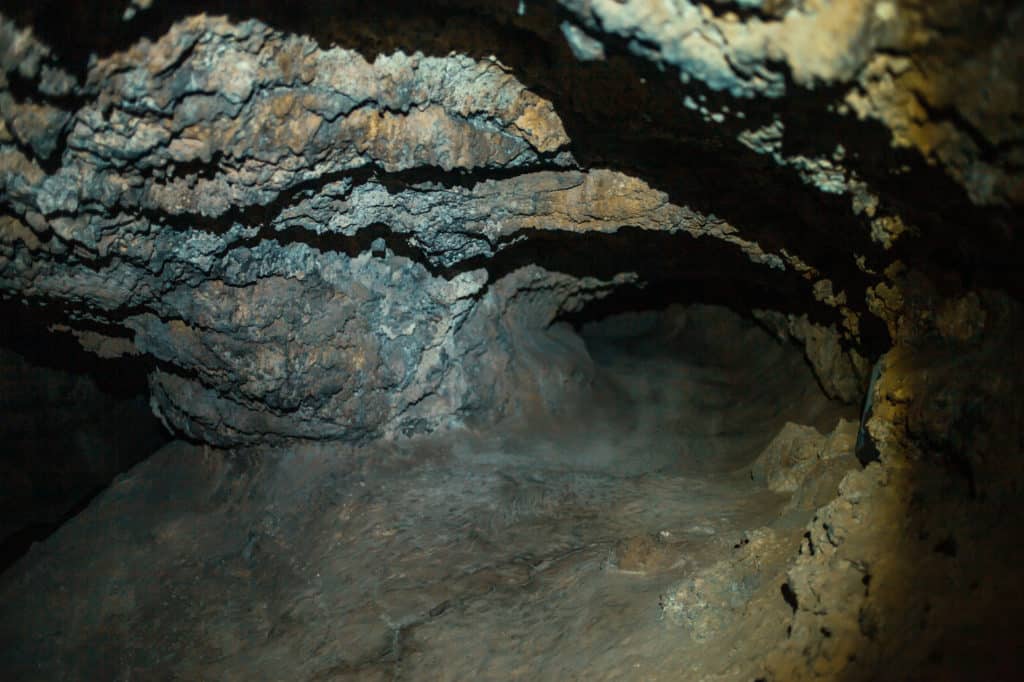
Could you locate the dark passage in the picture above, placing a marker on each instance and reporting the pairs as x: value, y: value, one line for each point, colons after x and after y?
x: 71, y: 423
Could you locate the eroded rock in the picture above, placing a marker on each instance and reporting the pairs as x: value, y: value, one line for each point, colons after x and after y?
x: 800, y: 453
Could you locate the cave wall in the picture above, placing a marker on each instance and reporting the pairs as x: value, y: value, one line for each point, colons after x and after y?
x: 312, y: 244
x: 346, y: 223
x: 312, y: 240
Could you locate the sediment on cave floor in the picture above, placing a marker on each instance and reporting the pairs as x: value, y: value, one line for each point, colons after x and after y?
x: 560, y: 537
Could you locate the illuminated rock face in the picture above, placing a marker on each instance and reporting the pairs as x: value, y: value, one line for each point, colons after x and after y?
x: 226, y: 198
x: 325, y: 243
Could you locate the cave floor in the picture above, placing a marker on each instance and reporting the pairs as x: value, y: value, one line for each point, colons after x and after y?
x: 544, y: 549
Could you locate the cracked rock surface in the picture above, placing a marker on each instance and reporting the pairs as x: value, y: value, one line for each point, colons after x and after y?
x: 304, y: 239
x: 313, y: 240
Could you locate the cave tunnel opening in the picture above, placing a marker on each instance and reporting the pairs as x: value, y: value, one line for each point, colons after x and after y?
x: 704, y: 383
x: 665, y: 374
x: 72, y: 423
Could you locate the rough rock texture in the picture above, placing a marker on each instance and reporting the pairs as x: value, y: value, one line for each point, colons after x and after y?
x: 288, y: 230
x: 175, y: 257
x: 355, y: 224
x: 311, y: 239
x: 910, y: 571
x: 880, y: 559
x: 903, y: 63
x: 794, y: 454
x: 843, y: 372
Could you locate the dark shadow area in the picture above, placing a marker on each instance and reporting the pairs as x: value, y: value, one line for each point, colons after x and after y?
x: 705, y: 383
x: 71, y: 423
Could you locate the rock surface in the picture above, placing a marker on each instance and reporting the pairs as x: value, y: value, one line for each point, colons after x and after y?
x: 303, y: 239
x: 346, y: 241
x: 909, y: 571
x: 542, y: 547
x: 798, y: 451
x: 903, y: 62
x: 313, y: 240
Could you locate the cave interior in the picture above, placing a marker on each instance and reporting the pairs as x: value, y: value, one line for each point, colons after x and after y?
x: 442, y: 340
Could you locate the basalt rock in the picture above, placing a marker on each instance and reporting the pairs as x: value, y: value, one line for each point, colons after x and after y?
x: 310, y: 240
x: 309, y: 243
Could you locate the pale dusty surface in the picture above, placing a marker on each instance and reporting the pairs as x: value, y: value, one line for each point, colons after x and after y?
x: 540, y: 551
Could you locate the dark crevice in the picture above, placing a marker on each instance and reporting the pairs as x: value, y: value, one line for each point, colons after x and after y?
x: 938, y: 115
x: 670, y: 267
x: 73, y: 422
x: 422, y: 178
x: 26, y: 331
x: 948, y: 547
x: 24, y: 90
x: 865, y: 448
x: 929, y: 201
x: 789, y: 596
x: 197, y: 168
x: 49, y: 164
x: 767, y: 11
x: 17, y: 544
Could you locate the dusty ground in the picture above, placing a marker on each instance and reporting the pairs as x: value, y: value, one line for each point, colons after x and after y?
x: 552, y: 549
